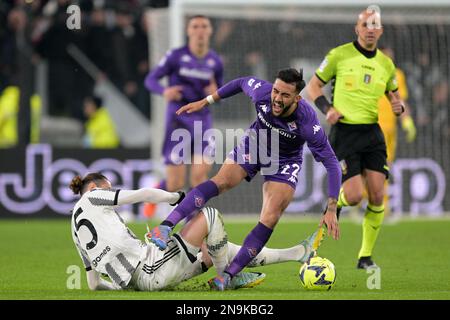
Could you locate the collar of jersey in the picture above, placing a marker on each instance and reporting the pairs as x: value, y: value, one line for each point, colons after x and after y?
x: 368, y: 54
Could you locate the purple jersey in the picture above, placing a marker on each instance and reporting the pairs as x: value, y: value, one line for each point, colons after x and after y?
x: 301, y: 127
x: 185, y: 69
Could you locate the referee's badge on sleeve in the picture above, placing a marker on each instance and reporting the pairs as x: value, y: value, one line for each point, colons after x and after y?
x: 323, y: 65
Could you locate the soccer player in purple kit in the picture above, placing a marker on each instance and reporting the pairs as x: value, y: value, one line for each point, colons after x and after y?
x: 279, y: 108
x: 194, y: 71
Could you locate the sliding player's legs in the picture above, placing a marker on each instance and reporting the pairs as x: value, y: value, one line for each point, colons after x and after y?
x: 276, y: 197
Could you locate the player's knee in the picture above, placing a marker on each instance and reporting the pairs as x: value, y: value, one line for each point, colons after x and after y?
x: 376, y: 197
x: 354, y: 198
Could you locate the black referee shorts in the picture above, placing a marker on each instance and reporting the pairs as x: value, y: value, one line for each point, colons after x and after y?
x: 359, y: 147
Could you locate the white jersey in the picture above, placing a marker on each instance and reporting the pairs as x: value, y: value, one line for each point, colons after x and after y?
x: 104, y: 242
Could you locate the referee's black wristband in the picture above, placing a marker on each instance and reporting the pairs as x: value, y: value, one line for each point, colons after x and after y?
x: 323, y: 104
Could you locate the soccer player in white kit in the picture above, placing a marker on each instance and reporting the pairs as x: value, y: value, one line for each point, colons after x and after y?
x: 107, y: 246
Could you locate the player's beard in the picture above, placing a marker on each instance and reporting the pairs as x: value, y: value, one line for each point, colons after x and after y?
x: 285, y: 108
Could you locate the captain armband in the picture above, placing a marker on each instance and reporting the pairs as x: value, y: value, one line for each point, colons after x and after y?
x: 323, y: 104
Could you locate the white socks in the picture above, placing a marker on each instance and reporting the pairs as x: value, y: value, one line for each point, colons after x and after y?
x: 217, y: 239
x: 270, y: 256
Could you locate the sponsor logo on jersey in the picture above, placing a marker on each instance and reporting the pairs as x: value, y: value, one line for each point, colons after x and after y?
x: 250, y: 82
x: 316, y: 128
x: 195, y: 73
x: 368, y: 67
x: 367, y: 78
x: 279, y: 131
x: 97, y: 260
x: 257, y: 86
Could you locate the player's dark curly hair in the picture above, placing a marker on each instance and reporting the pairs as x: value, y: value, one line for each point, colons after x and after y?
x: 79, y: 184
x: 293, y: 76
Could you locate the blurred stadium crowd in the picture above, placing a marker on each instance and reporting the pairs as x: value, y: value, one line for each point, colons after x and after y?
x: 113, y: 36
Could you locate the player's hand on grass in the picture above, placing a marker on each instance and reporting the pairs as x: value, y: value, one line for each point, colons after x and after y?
x: 173, y: 93
x: 331, y: 222
x: 333, y: 116
x: 193, y: 107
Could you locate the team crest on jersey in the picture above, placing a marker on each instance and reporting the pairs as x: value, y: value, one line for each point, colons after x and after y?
x: 199, y: 202
x: 367, y: 78
x: 343, y: 166
x: 252, y: 252
x: 292, y: 126
x: 210, y: 62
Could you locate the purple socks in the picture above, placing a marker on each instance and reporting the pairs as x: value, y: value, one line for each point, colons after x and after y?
x: 194, y: 201
x: 252, y: 245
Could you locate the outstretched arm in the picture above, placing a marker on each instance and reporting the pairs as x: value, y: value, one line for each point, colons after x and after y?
x: 228, y: 90
x: 320, y: 147
x: 95, y: 282
x: 102, y: 197
x: 147, y: 195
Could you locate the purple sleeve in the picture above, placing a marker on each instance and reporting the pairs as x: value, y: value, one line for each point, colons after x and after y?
x: 163, y: 69
x: 246, y: 85
x: 320, y: 147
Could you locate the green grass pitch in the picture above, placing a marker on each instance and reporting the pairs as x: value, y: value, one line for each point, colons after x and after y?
x: 414, y: 257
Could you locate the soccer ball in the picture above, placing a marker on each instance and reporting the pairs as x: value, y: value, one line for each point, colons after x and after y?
x: 317, y: 274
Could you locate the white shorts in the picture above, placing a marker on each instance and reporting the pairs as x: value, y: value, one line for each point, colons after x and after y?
x: 162, y: 269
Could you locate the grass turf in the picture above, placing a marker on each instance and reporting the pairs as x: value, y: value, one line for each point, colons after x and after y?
x: 413, y: 256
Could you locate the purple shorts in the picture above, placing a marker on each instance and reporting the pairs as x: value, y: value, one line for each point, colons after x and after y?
x: 284, y: 170
x: 185, y: 136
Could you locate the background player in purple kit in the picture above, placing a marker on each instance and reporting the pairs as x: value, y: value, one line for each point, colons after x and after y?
x: 281, y: 109
x: 194, y: 71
